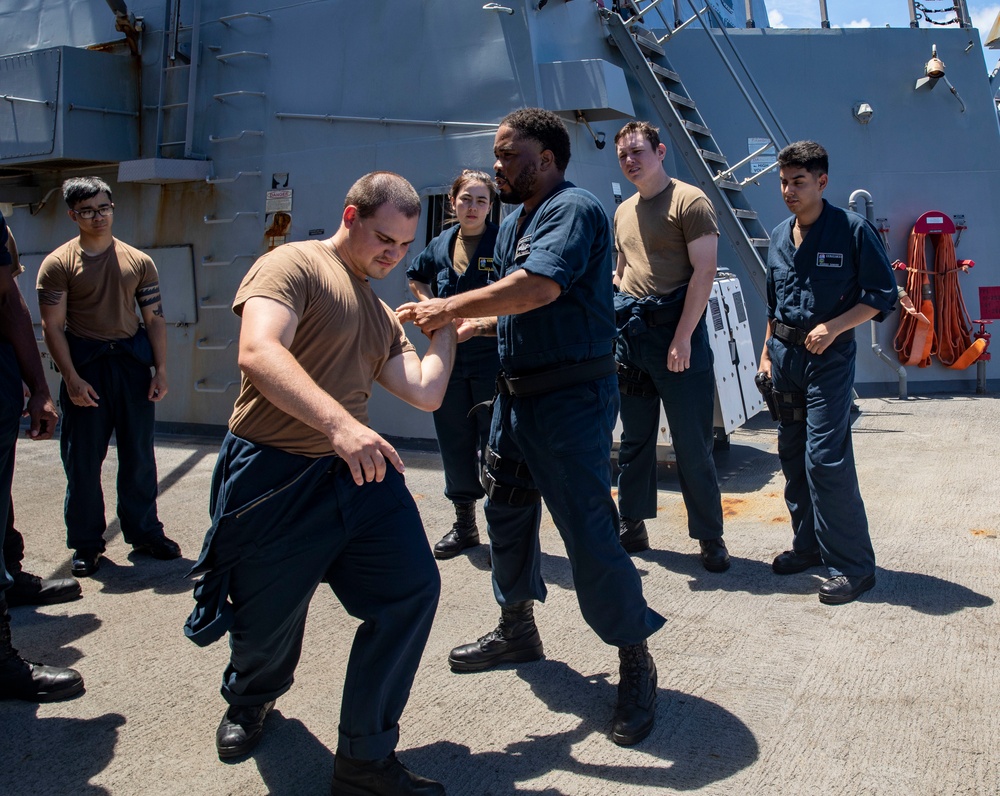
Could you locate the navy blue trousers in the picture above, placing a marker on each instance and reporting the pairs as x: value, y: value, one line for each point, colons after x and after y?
x: 564, y: 437
x: 817, y: 457
x: 462, y: 439
x: 10, y: 423
x: 688, y: 400
x: 125, y: 410
x: 288, y: 523
x: 13, y: 542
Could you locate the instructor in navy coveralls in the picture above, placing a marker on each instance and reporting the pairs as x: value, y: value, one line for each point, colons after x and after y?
x: 554, y: 415
x: 827, y: 272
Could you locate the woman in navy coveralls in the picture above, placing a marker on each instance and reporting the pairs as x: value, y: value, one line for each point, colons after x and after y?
x: 457, y: 260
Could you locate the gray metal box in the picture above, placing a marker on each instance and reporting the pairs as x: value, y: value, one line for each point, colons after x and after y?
x: 68, y: 104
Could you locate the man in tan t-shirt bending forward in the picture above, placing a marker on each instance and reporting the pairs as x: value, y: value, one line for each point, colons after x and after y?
x: 305, y: 492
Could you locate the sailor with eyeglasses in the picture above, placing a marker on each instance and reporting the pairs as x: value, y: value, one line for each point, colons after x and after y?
x: 87, y: 292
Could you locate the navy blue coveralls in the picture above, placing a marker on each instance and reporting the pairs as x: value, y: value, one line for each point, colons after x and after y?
x: 841, y: 263
x: 282, y: 524
x: 688, y: 399
x: 11, y: 405
x: 462, y: 439
x: 118, y: 370
x: 563, y: 436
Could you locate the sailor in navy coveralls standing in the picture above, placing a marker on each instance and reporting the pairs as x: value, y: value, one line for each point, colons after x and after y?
x: 827, y: 272
x: 457, y: 260
x: 554, y: 414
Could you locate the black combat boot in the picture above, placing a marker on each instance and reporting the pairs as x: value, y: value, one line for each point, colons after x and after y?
x: 385, y: 777
x: 632, y: 534
x: 515, y: 640
x: 464, y: 533
x: 636, y: 709
x: 32, y: 682
x: 30, y: 589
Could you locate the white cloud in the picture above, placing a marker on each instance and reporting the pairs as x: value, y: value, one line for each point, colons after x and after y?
x: 859, y: 23
x: 776, y: 19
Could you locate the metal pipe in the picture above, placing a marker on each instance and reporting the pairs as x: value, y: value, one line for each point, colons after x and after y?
x: 824, y: 17
x: 895, y: 365
x: 913, y: 14
x: 852, y: 204
x: 749, y: 10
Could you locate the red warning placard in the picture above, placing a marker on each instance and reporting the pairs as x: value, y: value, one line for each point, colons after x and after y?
x: 989, y: 303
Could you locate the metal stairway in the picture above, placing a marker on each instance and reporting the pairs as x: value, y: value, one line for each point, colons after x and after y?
x: 691, y: 136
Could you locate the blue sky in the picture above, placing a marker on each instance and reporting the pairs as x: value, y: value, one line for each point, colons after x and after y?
x: 874, y: 13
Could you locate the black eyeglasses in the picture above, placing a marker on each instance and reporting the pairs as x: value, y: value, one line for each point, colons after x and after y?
x: 88, y: 213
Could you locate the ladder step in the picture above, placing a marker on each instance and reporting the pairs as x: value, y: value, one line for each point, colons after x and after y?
x: 713, y: 156
x: 729, y: 185
x: 760, y: 243
x: 694, y: 127
x: 646, y: 41
x: 677, y: 99
x: 665, y: 74
x: 739, y: 213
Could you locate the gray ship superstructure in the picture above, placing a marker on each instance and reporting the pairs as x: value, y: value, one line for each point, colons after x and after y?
x: 212, y: 118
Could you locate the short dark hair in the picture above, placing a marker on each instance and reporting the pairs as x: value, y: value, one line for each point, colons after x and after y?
x: 473, y: 175
x: 383, y: 187
x: 645, y: 129
x: 79, y: 189
x: 806, y: 155
x: 545, y: 127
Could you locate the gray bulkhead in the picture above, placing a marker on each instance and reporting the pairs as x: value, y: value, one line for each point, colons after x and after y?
x: 425, y: 84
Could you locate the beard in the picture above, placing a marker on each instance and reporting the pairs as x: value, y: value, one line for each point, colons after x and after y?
x: 522, y: 187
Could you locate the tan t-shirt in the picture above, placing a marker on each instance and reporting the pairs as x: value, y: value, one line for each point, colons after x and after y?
x: 100, y: 289
x: 653, y: 234
x: 345, y: 335
x: 465, y: 250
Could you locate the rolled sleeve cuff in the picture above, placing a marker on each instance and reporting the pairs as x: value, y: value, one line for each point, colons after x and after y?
x: 549, y: 265
x: 879, y: 303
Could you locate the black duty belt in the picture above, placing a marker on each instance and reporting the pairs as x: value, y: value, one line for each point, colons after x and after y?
x: 557, y: 378
x: 793, y: 336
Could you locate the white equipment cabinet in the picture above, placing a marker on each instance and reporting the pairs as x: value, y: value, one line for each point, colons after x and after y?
x: 736, y: 396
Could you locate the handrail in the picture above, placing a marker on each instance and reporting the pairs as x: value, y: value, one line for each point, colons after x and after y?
x: 202, y: 386
x: 315, y: 117
x: 217, y: 180
x: 12, y: 98
x: 214, y: 139
x: 227, y: 19
x: 222, y: 97
x: 210, y: 220
x: 207, y: 262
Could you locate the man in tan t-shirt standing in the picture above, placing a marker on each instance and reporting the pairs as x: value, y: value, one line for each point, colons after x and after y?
x: 87, y: 292
x: 305, y: 492
x: 666, y: 236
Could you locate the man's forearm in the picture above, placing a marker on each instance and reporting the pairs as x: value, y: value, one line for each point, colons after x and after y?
x: 157, y: 331
x: 699, y: 290
x: 58, y: 345
x: 520, y: 292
